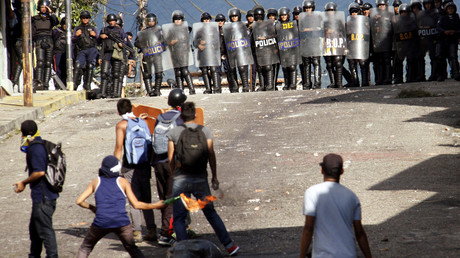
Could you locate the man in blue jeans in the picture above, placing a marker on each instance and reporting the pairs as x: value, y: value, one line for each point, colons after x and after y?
x: 43, y: 198
x: 195, y: 181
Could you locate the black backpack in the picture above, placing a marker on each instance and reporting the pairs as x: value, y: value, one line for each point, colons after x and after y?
x: 192, y: 150
x: 57, y: 166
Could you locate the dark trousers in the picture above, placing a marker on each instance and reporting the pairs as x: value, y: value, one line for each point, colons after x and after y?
x: 164, y: 188
x: 125, y: 234
x: 41, y: 229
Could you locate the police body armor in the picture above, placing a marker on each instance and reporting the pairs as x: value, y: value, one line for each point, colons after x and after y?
x: 381, y: 31
x: 150, y: 41
x: 206, y: 40
x: 288, y: 43
x: 427, y: 32
x: 178, y: 47
x: 311, y: 34
x: 406, y: 36
x: 265, y: 44
x: 358, y: 37
x: 86, y: 41
x: 335, y: 43
x: 237, y: 43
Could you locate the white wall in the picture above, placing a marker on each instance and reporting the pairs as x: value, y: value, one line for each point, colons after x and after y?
x: 4, y: 81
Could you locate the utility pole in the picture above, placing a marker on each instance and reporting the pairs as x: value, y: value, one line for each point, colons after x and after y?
x: 141, y: 24
x: 27, y: 53
x: 68, y: 37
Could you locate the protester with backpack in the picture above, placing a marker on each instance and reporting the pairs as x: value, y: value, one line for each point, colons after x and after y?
x: 190, y: 148
x: 133, y: 146
x: 43, y: 197
x: 166, y: 122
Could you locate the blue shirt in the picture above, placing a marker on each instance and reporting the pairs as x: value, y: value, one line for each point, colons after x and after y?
x: 37, y: 161
x: 110, y: 204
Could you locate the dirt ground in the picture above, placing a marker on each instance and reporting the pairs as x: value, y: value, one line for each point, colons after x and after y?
x: 401, y: 159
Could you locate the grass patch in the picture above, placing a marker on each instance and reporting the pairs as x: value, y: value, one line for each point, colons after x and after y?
x: 418, y: 93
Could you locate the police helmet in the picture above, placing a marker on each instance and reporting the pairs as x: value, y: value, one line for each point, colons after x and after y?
x: 249, y: 13
x: 272, y: 11
x: 416, y: 4
x: 451, y: 4
x: 62, y: 22
x: 151, y: 17
x: 296, y: 10
x: 397, y: 3
x: 445, y: 2
x: 259, y: 13
x: 111, y: 17
x: 284, y: 11
x: 85, y: 14
x: 359, y: 2
x: 309, y: 4
x: 177, y: 15
x: 234, y: 12
x: 120, y: 22
x: 43, y: 3
x: 353, y: 8
x: 367, y: 6
x: 381, y: 2
x: 205, y: 16
x: 176, y: 97
x: 220, y: 17
x: 404, y: 8
x: 330, y: 6
x: 428, y: 1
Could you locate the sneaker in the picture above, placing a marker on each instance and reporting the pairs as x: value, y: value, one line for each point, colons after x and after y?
x: 137, y: 236
x: 151, y: 235
x: 233, y: 250
x: 166, y: 241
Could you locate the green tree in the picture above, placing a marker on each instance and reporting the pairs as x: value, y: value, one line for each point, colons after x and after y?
x: 92, y: 6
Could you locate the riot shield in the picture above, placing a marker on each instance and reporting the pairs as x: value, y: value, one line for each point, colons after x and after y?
x: 335, y: 41
x: 178, y: 46
x: 358, y: 37
x: 405, y: 33
x: 265, y: 44
x: 427, y: 31
x: 206, y: 41
x: 288, y: 43
x: 381, y: 31
x: 151, y: 42
x: 238, y: 46
x: 311, y: 34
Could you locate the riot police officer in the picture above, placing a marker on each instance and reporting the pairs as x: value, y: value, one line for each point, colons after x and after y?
x: 448, y: 28
x: 150, y: 41
x: 16, y: 39
x: 85, y: 40
x: 396, y: 4
x: 295, y: 13
x: 427, y: 22
x: 59, y: 51
x: 220, y: 19
x: 42, y: 25
x: 108, y: 37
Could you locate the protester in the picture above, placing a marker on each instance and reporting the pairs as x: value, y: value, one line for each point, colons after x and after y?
x: 330, y: 210
x: 43, y: 198
x: 110, y: 192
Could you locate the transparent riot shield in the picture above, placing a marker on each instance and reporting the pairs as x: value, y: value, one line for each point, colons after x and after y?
x: 358, y: 37
x: 238, y: 45
x: 265, y: 44
x: 151, y: 42
x: 405, y: 34
x: 381, y: 31
x: 311, y: 34
x: 335, y: 41
x: 288, y: 43
x: 206, y: 41
x: 178, y: 46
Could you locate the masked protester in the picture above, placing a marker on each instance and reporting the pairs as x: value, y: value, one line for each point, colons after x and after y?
x: 42, y: 26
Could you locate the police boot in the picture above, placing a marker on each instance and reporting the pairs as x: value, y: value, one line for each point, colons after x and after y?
x: 244, y: 77
x: 286, y: 79
x: 46, y: 77
x: 17, y: 75
x: 317, y: 68
x: 207, y: 85
x: 269, y: 84
x: 302, y: 73
x: 354, y: 76
x: 261, y: 81
x: 292, y: 74
x: 189, y: 81
x: 177, y: 74
x: 330, y: 72
x: 338, y: 77
x: 307, y: 73
x: 216, y: 80
x: 347, y: 75
x: 455, y: 70
x: 88, y: 77
x: 148, y: 86
x: 158, y: 80
x: 365, y: 75
x: 434, y: 70
x: 387, y: 73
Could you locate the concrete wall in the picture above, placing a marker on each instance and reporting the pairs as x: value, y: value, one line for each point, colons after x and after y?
x: 5, y: 83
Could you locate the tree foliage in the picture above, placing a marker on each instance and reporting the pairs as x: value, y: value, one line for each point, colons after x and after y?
x: 92, y: 6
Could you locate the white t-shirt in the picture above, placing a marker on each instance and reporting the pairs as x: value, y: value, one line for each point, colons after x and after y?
x: 334, y: 207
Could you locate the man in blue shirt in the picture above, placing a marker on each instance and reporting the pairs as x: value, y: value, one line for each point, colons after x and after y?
x: 43, y: 198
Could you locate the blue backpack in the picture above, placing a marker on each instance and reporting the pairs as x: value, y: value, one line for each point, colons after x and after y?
x: 137, y: 141
x: 160, y: 140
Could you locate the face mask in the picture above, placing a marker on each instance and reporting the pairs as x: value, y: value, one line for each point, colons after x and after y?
x: 25, y: 140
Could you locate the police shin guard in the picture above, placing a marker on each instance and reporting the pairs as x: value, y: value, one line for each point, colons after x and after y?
x: 205, y: 75
x: 364, y: 65
x: 268, y: 77
x: 178, y: 75
x: 286, y: 79
x: 158, y: 80
x: 88, y: 77
x: 306, y: 77
x: 116, y: 70
x: 188, y: 80
x: 148, y: 86
x: 353, y: 64
x: 292, y: 75
x: 17, y: 75
x: 216, y: 80
x: 330, y: 72
x: 317, y: 70
x: 261, y: 80
x: 243, y: 70
x: 46, y: 77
